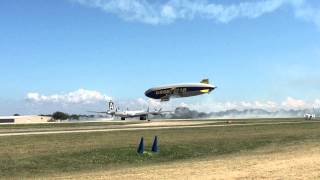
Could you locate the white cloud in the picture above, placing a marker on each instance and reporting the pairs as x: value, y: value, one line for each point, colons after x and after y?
x: 308, y: 13
x: 154, y: 12
x: 169, y: 12
x: 79, y: 96
x: 239, y: 105
x: 293, y: 103
x: 210, y: 105
x: 83, y: 100
x: 316, y: 103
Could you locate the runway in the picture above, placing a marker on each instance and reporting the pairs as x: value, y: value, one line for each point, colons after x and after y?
x: 134, y: 127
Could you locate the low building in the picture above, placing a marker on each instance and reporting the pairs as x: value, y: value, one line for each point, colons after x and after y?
x: 24, y: 119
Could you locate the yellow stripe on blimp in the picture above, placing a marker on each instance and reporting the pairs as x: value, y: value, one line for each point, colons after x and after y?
x: 204, y: 90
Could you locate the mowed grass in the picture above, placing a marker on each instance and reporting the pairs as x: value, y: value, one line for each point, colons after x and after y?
x: 45, y: 155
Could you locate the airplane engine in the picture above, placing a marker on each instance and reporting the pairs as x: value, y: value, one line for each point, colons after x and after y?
x: 143, y: 118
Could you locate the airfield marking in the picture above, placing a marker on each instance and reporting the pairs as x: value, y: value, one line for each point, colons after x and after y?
x: 141, y: 128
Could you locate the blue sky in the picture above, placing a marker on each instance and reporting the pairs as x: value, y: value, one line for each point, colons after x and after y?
x: 252, y: 50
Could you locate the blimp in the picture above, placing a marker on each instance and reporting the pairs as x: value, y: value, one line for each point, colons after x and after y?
x: 165, y: 93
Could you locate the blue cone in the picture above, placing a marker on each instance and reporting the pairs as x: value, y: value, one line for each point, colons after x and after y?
x: 141, y: 146
x: 155, y: 145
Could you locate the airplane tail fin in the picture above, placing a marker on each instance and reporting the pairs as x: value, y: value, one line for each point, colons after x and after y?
x: 111, y: 106
x: 205, y: 81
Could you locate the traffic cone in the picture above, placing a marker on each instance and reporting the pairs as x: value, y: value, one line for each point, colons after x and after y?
x: 141, y: 146
x: 155, y: 145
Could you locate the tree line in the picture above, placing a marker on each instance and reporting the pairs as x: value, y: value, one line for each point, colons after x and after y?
x: 65, y: 116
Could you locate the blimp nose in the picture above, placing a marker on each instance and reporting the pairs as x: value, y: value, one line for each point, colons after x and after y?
x: 148, y: 93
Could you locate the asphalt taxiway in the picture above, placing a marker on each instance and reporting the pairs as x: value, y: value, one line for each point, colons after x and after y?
x: 155, y: 125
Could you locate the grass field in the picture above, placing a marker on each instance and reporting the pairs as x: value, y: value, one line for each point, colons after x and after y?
x: 45, y: 155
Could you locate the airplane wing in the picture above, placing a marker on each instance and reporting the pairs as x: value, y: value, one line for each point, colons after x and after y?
x: 99, y: 112
x: 148, y: 113
x: 159, y: 112
x: 139, y: 114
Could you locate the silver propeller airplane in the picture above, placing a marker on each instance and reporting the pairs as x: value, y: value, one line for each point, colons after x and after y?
x: 143, y: 115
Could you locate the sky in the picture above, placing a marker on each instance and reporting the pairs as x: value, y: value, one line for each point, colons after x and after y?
x: 73, y: 55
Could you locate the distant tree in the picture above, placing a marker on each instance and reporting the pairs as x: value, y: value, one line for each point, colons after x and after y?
x: 16, y: 114
x: 48, y: 115
x: 74, y: 117
x: 60, y: 116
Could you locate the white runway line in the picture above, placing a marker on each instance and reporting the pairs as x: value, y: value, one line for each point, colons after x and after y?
x: 140, y: 128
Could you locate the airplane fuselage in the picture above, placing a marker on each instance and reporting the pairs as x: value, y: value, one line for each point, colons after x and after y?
x: 129, y: 114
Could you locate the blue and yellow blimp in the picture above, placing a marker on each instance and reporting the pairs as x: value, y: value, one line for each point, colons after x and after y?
x: 164, y: 93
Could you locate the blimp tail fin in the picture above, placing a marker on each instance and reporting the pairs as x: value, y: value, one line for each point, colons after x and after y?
x: 205, y: 81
